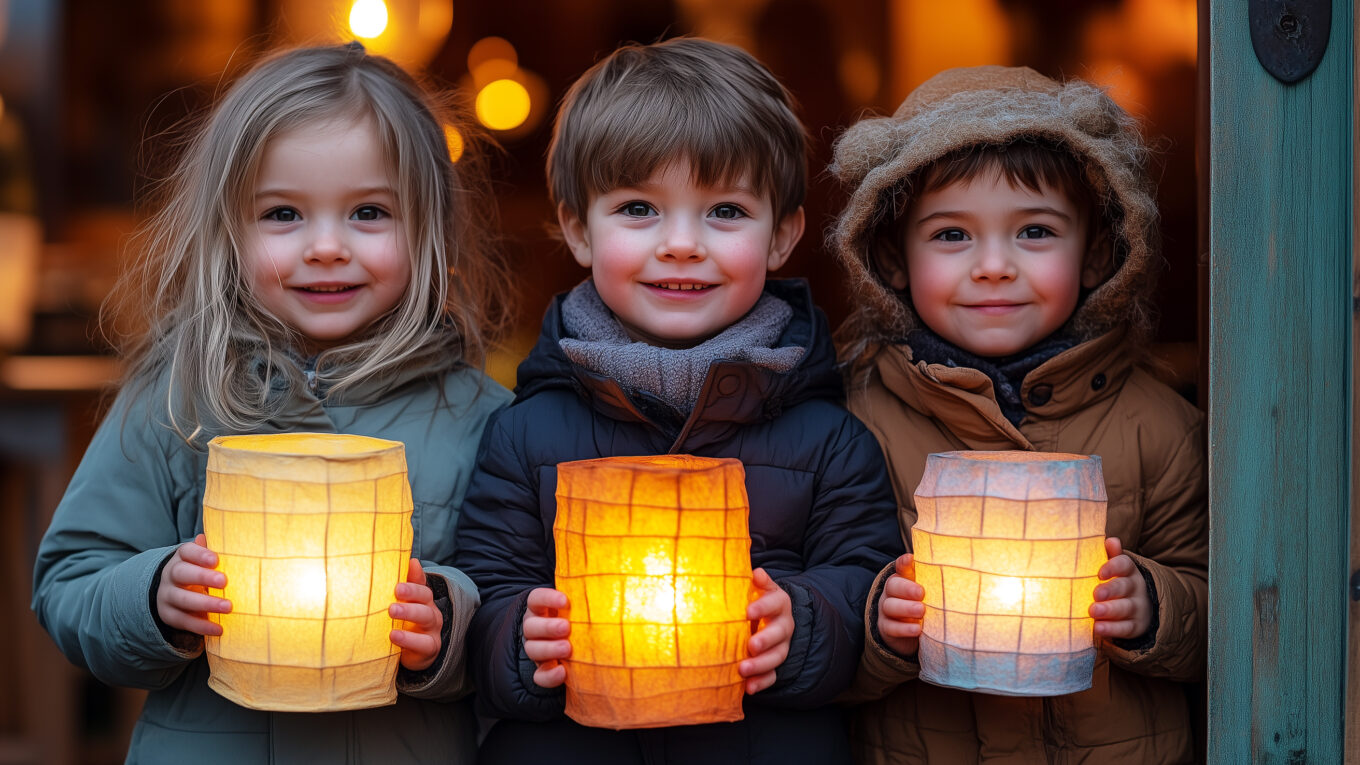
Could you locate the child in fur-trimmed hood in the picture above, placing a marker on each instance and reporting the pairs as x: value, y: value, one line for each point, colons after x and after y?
x: 1001, y: 244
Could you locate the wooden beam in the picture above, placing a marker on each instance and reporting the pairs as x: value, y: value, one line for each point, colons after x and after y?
x: 1280, y: 398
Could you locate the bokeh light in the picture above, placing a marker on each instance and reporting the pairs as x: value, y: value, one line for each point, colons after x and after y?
x: 368, y: 18
x: 503, y: 104
x: 490, y: 59
x: 455, y: 141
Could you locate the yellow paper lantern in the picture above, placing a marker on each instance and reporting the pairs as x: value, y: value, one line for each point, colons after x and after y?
x: 313, y: 531
x: 654, y: 556
x: 1007, y: 546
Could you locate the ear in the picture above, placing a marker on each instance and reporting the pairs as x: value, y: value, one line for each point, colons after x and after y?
x: 889, y: 257
x: 1097, y: 264
x: 575, y: 233
x: 786, y: 235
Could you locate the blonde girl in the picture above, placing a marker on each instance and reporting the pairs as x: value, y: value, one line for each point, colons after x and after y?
x: 316, y: 263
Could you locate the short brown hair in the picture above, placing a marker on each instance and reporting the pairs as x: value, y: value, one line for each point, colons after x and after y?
x: 1026, y: 162
x: 645, y: 106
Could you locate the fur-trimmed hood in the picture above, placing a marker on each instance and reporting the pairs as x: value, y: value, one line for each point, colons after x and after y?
x: 995, y: 105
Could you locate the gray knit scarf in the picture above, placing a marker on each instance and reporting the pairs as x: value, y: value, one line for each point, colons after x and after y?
x: 596, y: 340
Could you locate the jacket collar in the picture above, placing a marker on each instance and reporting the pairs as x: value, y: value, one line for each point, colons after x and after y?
x: 302, y: 399
x: 964, y: 398
x: 734, y: 394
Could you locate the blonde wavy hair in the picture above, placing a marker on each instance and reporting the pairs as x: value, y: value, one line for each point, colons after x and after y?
x: 184, y: 305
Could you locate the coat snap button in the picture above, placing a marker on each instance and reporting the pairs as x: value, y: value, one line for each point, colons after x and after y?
x: 1098, y: 381
x: 728, y: 385
x: 1040, y: 394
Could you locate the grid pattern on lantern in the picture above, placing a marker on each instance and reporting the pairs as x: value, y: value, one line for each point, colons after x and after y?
x: 300, y: 542
x: 1008, y: 567
x: 656, y: 567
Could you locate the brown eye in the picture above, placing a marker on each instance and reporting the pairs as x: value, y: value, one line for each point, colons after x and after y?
x: 283, y: 215
x: 728, y: 212
x: 636, y: 209
x: 1035, y: 232
x: 368, y: 212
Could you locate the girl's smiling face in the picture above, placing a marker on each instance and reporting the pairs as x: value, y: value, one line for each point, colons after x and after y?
x: 325, y: 248
x: 994, y: 267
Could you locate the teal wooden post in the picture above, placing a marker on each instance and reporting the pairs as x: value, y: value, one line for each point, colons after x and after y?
x: 1279, y: 398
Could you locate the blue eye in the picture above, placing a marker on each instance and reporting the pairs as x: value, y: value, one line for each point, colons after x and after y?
x: 728, y: 212
x: 1035, y: 232
x: 636, y: 209
x: 368, y: 212
x: 951, y: 235
x: 283, y: 215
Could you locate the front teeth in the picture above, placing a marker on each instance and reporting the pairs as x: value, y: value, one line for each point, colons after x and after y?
x: 683, y: 287
x: 327, y: 289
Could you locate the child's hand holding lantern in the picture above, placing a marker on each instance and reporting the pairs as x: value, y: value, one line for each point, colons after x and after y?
x: 769, y: 646
x: 545, y: 636
x: 1122, y: 608
x: 419, y: 640
x: 900, y: 609
x: 182, y: 599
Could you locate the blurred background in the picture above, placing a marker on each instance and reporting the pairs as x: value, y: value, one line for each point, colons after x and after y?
x: 91, y: 93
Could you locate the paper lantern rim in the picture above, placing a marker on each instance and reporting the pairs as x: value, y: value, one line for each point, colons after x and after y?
x: 333, y: 446
x: 1015, y: 456
x: 660, y: 464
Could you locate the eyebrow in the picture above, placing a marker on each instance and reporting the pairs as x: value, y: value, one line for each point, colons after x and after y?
x: 363, y: 191
x: 1041, y: 210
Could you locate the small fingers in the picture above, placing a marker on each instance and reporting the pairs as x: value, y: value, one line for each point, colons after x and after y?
x: 196, y: 553
x: 550, y: 676
x: 905, y: 565
x: 419, y: 643
x: 759, y: 682
x: 181, y: 573
x: 762, y: 663
x: 902, y: 610
x: 423, y: 617
x: 545, y: 601
x: 543, y: 651
x: 193, y: 602
x: 415, y: 573
x: 1123, y: 628
x: 546, y: 628
x: 903, y: 589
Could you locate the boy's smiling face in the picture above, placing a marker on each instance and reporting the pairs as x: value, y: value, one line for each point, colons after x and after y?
x: 993, y: 267
x: 678, y: 262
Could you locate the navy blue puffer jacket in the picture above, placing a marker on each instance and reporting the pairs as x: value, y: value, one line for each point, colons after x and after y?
x: 823, y: 523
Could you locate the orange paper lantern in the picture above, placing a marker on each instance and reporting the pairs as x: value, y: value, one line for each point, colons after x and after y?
x: 313, y: 531
x: 654, y: 556
x: 1007, y: 546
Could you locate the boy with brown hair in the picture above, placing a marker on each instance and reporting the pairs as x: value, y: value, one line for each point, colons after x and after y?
x: 678, y: 170
x: 1001, y: 241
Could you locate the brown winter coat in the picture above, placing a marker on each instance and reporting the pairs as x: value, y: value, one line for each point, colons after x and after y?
x: 1150, y: 443
x: 1090, y: 399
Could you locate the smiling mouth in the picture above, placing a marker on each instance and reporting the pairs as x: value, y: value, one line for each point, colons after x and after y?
x: 681, y: 286
x: 329, y: 289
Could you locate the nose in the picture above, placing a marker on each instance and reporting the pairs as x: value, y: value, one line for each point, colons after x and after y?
x: 327, y: 245
x: 680, y: 242
x: 995, y: 262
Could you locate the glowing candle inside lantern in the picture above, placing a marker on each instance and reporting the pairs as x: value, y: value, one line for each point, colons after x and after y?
x: 313, y: 531
x: 653, y: 554
x: 1007, y: 547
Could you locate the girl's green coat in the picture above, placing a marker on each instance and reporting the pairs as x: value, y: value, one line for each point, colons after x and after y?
x: 138, y: 494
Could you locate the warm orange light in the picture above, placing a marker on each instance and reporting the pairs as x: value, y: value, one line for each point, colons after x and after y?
x: 454, y: 139
x: 654, y: 556
x: 490, y: 59
x: 1007, y: 547
x: 368, y: 18
x: 503, y: 105
x: 313, y: 531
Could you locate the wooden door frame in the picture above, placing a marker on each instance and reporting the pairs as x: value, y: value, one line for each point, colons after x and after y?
x: 1281, y: 327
